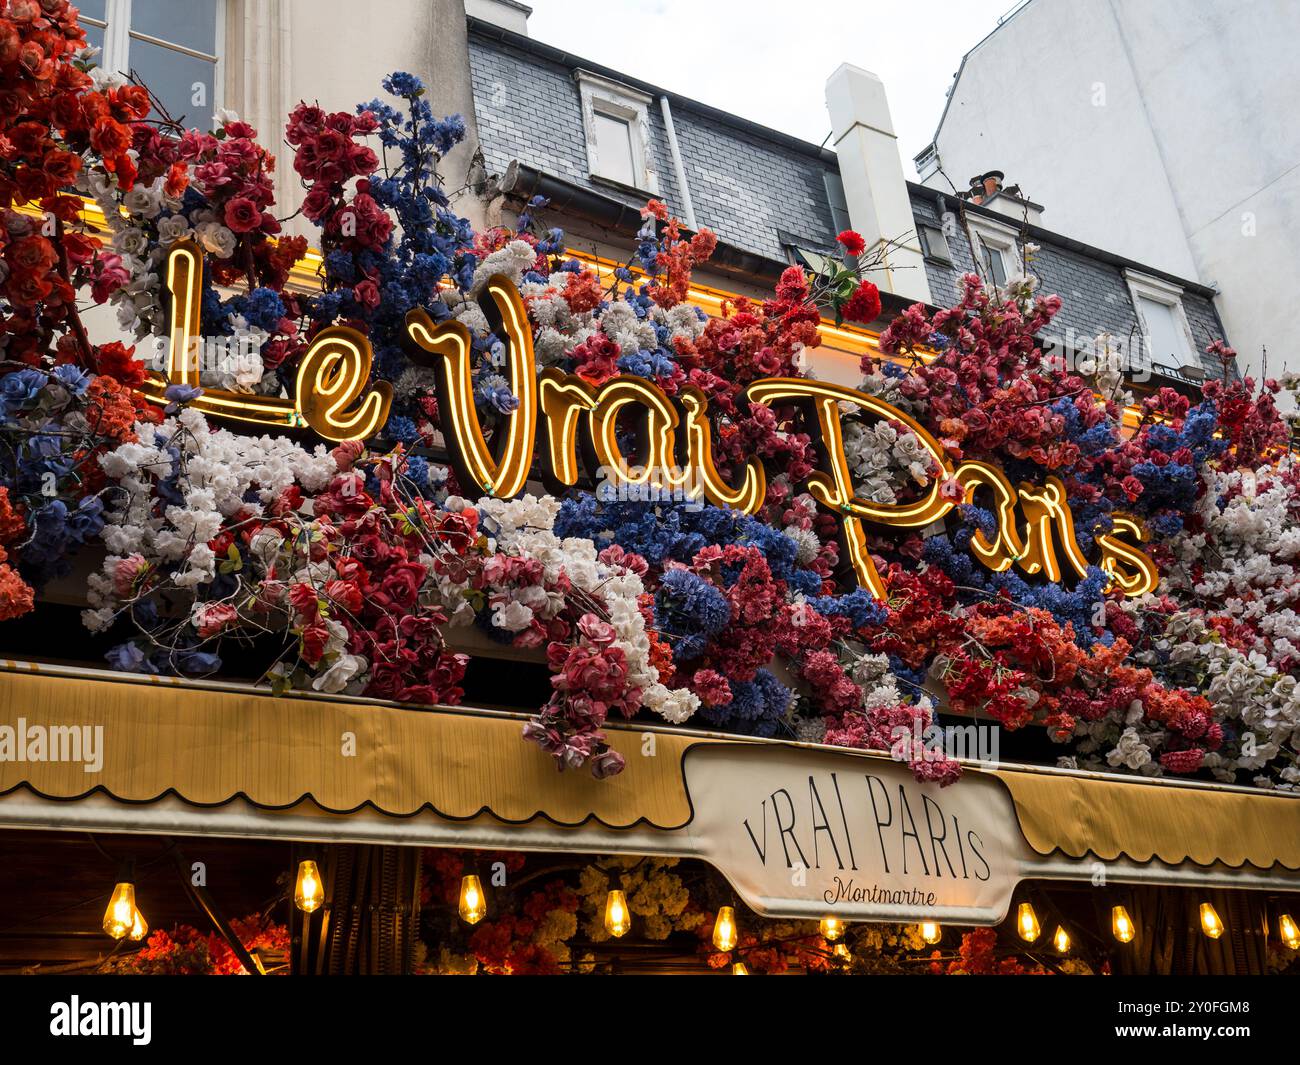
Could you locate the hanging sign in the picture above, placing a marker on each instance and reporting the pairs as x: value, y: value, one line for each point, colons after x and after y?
x: 802, y: 833
x: 572, y: 425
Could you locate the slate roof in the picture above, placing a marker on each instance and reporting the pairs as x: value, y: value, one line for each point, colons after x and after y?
x: 761, y: 190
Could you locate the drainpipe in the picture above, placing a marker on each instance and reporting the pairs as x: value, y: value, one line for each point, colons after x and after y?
x: 679, y: 170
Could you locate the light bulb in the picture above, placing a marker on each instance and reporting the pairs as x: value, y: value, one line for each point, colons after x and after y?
x: 1210, y: 923
x: 931, y: 931
x: 308, y: 891
x: 1061, y: 940
x: 1290, y: 933
x: 139, y: 927
x: 119, y: 918
x: 1027, y: 923
x: 1122, y: 924
x: 832, y: 928
x: 473, y: 906
x: 617, y: 919
x: 724, y: 929
x: 843, y: 953
x: 740, y: 969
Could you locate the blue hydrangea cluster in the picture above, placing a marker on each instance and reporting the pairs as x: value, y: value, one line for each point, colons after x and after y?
x: 757, y: 707
x: 689, y: 612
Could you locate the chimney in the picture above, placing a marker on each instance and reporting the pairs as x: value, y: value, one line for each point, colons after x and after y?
x: 508, y: 14
x: 872, y: 172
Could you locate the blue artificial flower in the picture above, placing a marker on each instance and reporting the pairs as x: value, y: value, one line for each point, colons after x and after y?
x: 18, y: 390
x: 401, y: 429
x: 87, y: 520
x: 195, y: 662
x: 128, y: 658
x: 178, y: 395
x: 689, y: 611
x: 72, y: 378
x: 493, y: 393
x: 400, y: 83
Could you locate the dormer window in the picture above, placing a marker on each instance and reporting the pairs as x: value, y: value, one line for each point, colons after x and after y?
x: 616, y: 121
x: 1164, y: 325
x: 997, y: 250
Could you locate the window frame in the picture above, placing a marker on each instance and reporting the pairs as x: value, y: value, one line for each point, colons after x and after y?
x: 118, y: 36
x: 936, y: 254
x: 1156, y: 290
x: 985, y: 233
x: 601, y: 96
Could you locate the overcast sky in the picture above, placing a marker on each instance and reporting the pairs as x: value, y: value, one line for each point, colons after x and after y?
x: 768, y: 61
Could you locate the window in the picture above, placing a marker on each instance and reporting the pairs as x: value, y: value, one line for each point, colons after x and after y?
x: 994, y: 265
x: 614, y: 148
x: 1160, y: 314
x: 997, y: 251
x: 934, y: 245
x: 172, y: 45
x: 616, y: 121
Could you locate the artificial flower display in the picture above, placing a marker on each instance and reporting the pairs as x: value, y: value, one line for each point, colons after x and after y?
x: 351, y: 567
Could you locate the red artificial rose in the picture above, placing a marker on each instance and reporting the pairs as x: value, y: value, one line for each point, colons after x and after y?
x: 110, y: 138
x: 242, y: 215
x: 117, y: 361
x: 366, y: 293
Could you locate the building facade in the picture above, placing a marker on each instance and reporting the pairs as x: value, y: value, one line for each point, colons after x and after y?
x: 528, y: 594
x: 1157, y: 133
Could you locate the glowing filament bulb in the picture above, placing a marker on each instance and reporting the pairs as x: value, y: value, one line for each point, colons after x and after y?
x: 1290, y: 933
x: 740, y: 969
x: 724, y: 929
x: 139, y: 928
x: 119, y: 918
x: 473, y: 904
x: 1122, y: 925
x: 308, y: 891
x: 832, y: 928
x: 1210, y: 923
x: 931, y: 931
x: 1061, y: 940
x: 1027, y: 923
x: 618, y: 921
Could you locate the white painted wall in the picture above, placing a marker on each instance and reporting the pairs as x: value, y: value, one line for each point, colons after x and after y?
x: 330, y: 52
x: 1163, y: 130
x: 862, y: 134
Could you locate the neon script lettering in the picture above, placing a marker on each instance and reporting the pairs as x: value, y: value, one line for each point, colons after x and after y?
x: 576, y: 425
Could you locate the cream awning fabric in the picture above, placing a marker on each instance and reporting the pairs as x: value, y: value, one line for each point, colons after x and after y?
x: 208, y: 744
x: 1080, y: 816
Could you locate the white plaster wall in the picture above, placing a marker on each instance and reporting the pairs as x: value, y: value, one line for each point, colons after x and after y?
x: 1163, y: 130
x: 330, y: 52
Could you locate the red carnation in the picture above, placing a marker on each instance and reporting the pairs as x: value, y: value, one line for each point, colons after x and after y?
x: 852, y: 242
x: 864, y: 304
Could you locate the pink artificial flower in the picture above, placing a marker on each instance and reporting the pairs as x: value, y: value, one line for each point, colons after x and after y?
x: 212, y: 618
x: 128, y: 574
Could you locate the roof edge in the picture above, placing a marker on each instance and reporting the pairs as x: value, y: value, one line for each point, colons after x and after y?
x: 489, y: 31
x: 1060, y: 240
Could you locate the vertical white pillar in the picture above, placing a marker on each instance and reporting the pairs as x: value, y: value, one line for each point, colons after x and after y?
x: 872, y: 172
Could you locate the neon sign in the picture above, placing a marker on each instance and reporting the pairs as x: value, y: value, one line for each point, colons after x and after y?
x: 582, y: 426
